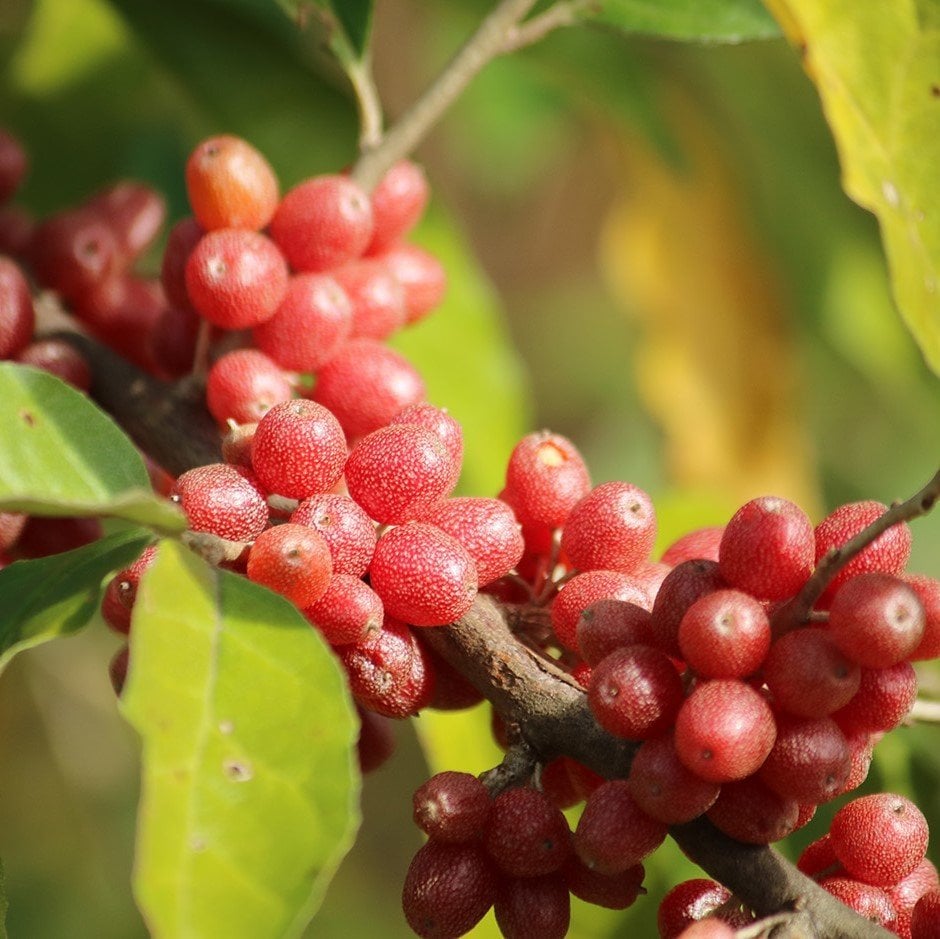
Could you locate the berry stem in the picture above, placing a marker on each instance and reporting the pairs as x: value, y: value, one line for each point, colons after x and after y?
x: 483, y: 46
x: 371, y: 121
x: 563, y: 13
x: 517, y: 767
x: 799, y: 610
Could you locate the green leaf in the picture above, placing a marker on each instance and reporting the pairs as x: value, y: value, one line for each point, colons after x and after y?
x: 877, y: 69
x: 696, y: 20
x: 60, y: 455
x: 250, y: 786
x: 344, y: 25
x: 59, y: 595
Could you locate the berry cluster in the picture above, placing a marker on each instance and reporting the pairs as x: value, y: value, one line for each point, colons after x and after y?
x: 513, y: 852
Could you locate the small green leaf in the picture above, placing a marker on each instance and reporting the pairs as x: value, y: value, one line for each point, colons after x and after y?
x: 344, y: 25
x: 877, y: 69
x: 695, y: 20
x: 59, y: 595
x: 250, y: 786
x: 61, y: 455
x: 356, y: 18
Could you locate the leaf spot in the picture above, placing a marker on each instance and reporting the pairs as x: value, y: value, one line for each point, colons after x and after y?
x: 226, y: 727
x: 28, y: 418
x: 237, y: 771
x: 935, y: 91
x: 198, y: 843
x: 891, y: 194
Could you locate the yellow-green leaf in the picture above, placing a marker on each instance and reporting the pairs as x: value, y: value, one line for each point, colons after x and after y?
x: 877, y: 69
x: 250, y: 785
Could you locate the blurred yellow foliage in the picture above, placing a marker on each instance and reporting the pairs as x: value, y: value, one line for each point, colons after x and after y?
x: 716, y: 362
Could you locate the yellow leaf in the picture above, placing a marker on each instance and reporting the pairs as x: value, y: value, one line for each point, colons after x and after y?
x: 877, y: 69
x: 715, y: 365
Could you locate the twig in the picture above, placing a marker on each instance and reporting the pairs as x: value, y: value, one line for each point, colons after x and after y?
x: 371, y: 122
x: 483, y: 46
x: 799, y: 609
x: 563, y: 13
x: 763, y: 926
x: 517, y: 767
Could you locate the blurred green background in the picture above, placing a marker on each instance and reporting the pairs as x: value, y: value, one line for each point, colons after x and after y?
x: 649, y: 252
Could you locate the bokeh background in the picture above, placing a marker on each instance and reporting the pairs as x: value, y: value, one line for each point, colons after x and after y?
x: 649, y: 251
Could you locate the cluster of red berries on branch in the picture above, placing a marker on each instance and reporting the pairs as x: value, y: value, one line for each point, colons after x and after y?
x: 751, y: 679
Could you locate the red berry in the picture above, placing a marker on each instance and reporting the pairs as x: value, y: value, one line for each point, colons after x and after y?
x: 635, y: 693
x: 423, y: 575
x: 876, y: 619
x: 222, y: 500
x: 725, y: 634
x: 871, y: 903
x: 925, y: 918
x: 584, y: 589
x: 366, y: 384
x: 545, y: 478
x: 687, y: 903
x: 348, y: 611
x: 43, y: 536
x: 607, y: 625
x: 398, y: 201
x: 183, y: 237
x: 135, y: 212
x: 884, y: 698
x: 243, y: 385
x: 376, y: 297
x: 819, y: 859
x: 527, y: 835
x: 611, y: 528
x: 421, y: 275
x: 310, y: 325
x: 397, y: 472
x: 121, y: 592
x: 291, y: 560
x: 487, y: 528
x: 388, y: 671
x: 533, y: 907
x: 13, y: 164
x: 322, y: 223
x: 452, y: 807
x: 888, y: 553
x: 767, y: 548
x: 441, y: 423
x: 724, y: 730
x: 613, y: 833
x: 928, y: 592
x: 299, y: 449
x: 749, y: 811
x: 376, y: 743
x: 17, y: 319
x: 880, y: 838
x: 448, y: 890
x: 59, y: 358
x: 700, y: 543
x: 11, y: 525
x: 683, y: 585
x: 614, y: 892
x: 663, y: 787
x: 236, y: 278
x: 347, y: 529
x: 808, y: 675
x: 117, y: 668
x: 230, y: 184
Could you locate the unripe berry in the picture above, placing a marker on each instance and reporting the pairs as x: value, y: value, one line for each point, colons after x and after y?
x: 611, y: 528
x: 876, y: 620
x: 344, y: 525
x: 366, y: 384
x: 397, y: 472
x: 613, y: 834
x: 291, y: 560
x: 348, y: 611
x: 452, y: 807
x: 423, y: 575
x: 299, y: 449
x: 236, y: 278
x: 725, y: 634
x: 527, y: 835
x: 487, y: 528
x: 880, y: 838
x: 533, y: 907
x: 448, y: 889
x: 724, y: 730
x: 322, y: 223
x: 222, y: 500
x: 230, y: 184
x: 635, y: 693
x: 388, y: 671
x: 310, y: 324
x: 767, y: 548
x: 545, y: 478
x: 243, y: 385
x: 888, y: 553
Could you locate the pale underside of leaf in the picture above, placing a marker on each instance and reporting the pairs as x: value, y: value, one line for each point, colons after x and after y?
x: 249, y: 791
x: 877, y: 69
